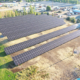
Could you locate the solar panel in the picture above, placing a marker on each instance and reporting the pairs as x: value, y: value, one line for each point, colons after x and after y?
x: 15, y: 22
x: 15, y: 30
x: 23, y: 45
x: 19, y: 59
x: 30, y: 25
x: 23, y: 25
x: 29, y: 31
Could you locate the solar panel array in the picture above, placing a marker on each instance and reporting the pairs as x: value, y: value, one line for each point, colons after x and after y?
x: 24, y: 26
x: 19, y: 59
x: 20, y: 21
x: 14, y: 23
x: 28, y: 26
x: 30, y: 31
x: 23, y: 45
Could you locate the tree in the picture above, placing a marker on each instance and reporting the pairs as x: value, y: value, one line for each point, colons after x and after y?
x: 73, y: 20
x: 31, y: 10
x: 41, y: 12
x: 24, y: 11
x: 77, y: 1
x: 68, y: 18
x: 16, y: 13
x: 12, y: 14
x: 52, y: 14
x: 36, y: 13
x: 48, y: 8
x: 8, y: 14
x: 47, y: 13
x: 78, y: 21
x: 59, y: 11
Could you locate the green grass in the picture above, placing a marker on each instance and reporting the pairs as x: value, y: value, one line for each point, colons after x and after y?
x: 31, y: 73
x: 5, y: 73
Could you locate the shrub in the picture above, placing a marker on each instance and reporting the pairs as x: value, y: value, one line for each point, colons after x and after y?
x: 32, y: 73
x: 68, y: 18
x: 73, y: 20
x: 52, y: 14
x: 78, y: 21
x: 41, y: 12
x: 59, y: 11
x: 36, y: 13
x: 47, y: 13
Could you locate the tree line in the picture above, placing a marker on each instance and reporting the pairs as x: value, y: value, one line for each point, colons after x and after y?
x: 9, y: 0
x: 73, y: 20
x: 67, y: 1
x: 15, y: 13
x: 64, y: 1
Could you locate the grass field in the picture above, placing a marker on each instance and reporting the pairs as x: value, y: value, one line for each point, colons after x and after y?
x: 5, y: 73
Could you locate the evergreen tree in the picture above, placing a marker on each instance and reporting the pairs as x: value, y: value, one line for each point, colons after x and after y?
x: 16, y: 13
x: 31, y: 10
x: 12, y: 14
x: 8, y: 14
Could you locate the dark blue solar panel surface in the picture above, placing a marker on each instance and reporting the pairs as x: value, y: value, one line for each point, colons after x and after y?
x: 36, y: 29
x: 28, y: 25
x: 25, y: 25
x: 19, y: 59
x: 23, y: 45
x: 20, y: 21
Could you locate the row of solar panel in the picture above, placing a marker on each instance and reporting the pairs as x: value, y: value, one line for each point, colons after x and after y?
x: 23, y: 33
x: 27, y: 25
x: 22, y: 20
x: 23, y: 45
x: 15, y: 18
x: 19, y: 59
x: 30, y: 26
x: 20, y: 24
x: 19, y: 18
x: 25, y: 19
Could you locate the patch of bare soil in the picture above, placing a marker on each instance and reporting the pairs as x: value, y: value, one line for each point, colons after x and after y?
x: 16, y: 70
x: 60, y: 62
